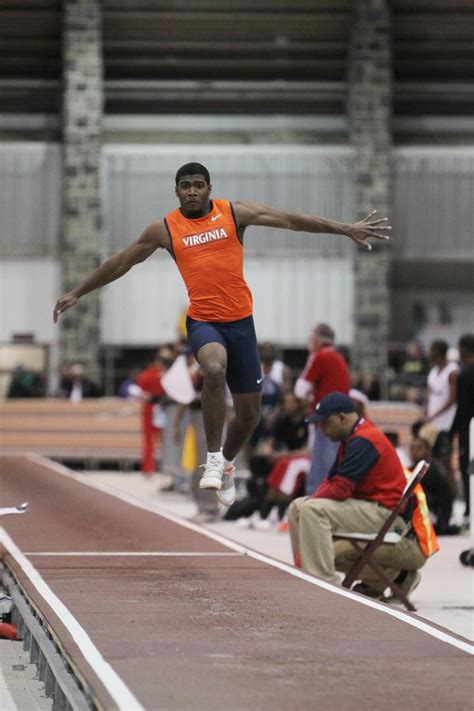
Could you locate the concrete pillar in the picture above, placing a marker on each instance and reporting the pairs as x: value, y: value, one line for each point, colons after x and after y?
x: 370, y: 88
x: 82, y: 141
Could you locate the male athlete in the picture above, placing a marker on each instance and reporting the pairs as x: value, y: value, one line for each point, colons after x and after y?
x: 205, y: 238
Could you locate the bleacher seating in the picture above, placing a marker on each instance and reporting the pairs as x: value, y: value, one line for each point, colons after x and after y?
x: 90, y: 431
x: 108, y: 429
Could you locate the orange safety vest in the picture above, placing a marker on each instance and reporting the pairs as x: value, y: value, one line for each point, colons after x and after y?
x: 421, y: 522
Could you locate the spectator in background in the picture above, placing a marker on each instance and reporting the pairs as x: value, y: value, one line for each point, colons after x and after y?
x: 394, y: 439
x: 415, y: 362
x: 440, y: 405
x: 127, y: 387
x: 25, y: 383
x: 290, y: 432
x: 369, y: 384
x: 196, y: 375
x: 76, y: 386
x: 326, y: 371
x: 273, y: 367
x: 274, y: 374
x: 435, y: 482
x: 289, y: 459
x: 153, y: 414
x: 465, y: 410
x: 287, y: 440
x: 413, y: 374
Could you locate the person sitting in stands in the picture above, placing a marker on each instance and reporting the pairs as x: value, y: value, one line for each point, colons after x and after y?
x: 75, y: 385
x: 288, y: 438
x: 435, y: 482
x: 25, y: 383
x: 273, y: 367
x: 290, y: 458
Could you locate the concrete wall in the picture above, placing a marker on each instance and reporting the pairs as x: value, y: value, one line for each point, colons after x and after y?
x: 296, y: 279
x: 290, y: 296
x: 28, y: 291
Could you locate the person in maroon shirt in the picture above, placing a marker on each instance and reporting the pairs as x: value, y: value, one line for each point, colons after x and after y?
x: 325, y: 372
x: 363, y: 486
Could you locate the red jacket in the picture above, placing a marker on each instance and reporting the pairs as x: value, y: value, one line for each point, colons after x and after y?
x: 367, y: 467
x: 150, y: 381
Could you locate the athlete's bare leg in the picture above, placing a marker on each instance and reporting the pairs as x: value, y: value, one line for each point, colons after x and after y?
x: 213, y: 360
x: 247, y: 415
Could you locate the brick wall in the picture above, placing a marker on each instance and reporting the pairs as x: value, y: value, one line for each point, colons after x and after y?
x: 370, y: 88
x: 82, y: 140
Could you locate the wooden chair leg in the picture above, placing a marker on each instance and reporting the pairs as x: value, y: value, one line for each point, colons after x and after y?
x: 366, y: 559
x: 357, y: 565
x: 392, y: 585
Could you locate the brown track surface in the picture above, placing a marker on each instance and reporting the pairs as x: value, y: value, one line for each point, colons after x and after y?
x: 225, y: 632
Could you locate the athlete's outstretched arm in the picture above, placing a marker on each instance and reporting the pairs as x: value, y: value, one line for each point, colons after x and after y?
x: 251, y: 213
x: 152, y: 237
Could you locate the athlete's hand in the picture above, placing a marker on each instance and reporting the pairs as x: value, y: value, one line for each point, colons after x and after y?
x: 360, y: 232
x: 63, y: 304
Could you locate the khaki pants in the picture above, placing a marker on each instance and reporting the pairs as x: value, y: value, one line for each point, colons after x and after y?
x: 312, y: 522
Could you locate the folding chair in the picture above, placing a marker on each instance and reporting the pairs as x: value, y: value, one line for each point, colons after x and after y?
x: 384, y: 536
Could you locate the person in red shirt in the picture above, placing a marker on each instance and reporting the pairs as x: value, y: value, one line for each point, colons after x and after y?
x: 363, y: 486
x: 205, y: 238
x: 325, y: 372
x: 153, y: 416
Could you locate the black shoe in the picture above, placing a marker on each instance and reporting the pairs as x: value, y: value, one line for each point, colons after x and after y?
x: 452, y: 530
x: 167, y: 488
x: 411, y: 579
x: 364, y: 589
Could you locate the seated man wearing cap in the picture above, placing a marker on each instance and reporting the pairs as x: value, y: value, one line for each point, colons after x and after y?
x: 363, y: 486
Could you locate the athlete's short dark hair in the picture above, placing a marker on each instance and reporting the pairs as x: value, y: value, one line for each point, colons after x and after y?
x: 440, y: 347
x: 467, y: 342
x: 193, y: 169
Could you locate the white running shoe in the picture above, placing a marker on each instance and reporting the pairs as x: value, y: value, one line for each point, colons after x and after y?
x: 244, y: 522
x: 213, y: 472
x: 226, y: 494
x: 262, y: 524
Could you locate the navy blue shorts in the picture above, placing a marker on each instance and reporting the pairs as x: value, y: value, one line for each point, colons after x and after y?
x: 244, y: 372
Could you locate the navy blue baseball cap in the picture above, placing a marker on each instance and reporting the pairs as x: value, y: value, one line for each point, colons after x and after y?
x: 332, y: 404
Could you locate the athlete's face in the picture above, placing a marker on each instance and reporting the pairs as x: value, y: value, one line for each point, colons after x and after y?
x: 193, y: 194
x: 435, y: 356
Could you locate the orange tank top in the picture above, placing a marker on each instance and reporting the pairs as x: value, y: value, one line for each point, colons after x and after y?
x: 210, y: 258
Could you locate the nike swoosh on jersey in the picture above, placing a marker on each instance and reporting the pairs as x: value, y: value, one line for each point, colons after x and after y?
x: 214, y: 217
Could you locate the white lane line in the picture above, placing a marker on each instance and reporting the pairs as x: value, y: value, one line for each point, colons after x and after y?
x: 133, y: 554
x: 398, y: 614
x: 119, y: 692
x: 155, y: 508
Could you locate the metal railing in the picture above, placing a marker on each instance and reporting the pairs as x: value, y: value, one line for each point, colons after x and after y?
x: 61, y: 679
